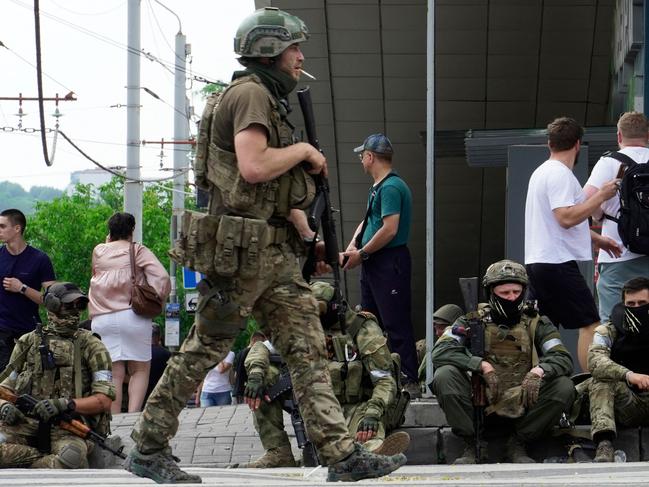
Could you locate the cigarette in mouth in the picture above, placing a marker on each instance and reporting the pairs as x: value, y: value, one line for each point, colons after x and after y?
x: 307, y: 74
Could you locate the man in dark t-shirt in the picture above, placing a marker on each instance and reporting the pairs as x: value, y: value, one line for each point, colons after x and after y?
x: 159, y: 357
x: 24, y: 271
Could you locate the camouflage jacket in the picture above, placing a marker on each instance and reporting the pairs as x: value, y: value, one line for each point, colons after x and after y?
x: 600, y: 364
x: 29, y: 377
x: 554, y: 358
x: 371, y: 351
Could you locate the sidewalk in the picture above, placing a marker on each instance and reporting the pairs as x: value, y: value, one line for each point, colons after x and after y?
x: 222, y: 435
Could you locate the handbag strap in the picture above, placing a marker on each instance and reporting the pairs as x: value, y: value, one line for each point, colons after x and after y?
x: 132, y: 252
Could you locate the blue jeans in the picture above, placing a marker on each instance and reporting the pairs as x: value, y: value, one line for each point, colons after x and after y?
x: 215, y: 399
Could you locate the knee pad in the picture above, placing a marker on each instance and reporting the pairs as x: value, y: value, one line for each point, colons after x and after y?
x: 72, y: 456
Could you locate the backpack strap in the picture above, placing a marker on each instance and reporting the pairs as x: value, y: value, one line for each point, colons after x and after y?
x: 531, y: 329
x: 78, y: 390
x: 358, y: 321
x: 626, y: 163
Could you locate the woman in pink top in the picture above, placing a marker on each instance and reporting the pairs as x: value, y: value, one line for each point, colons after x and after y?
x: 126, y: 334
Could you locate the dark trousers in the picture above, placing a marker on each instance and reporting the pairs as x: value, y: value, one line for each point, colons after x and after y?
x: 385, y: 292
x: 7, y: 341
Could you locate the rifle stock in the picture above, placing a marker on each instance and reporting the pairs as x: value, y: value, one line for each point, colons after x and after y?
x: 25, y: 404
x: 475, y: 334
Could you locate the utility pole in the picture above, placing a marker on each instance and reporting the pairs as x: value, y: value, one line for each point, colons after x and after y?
x: 133, y: 189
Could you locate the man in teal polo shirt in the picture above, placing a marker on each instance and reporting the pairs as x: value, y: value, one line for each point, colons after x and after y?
x: 379, y: 244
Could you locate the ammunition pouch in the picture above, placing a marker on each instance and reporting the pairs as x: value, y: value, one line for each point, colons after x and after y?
x: 346, y: 380
x: 216, y: 315
x: 228, y: 246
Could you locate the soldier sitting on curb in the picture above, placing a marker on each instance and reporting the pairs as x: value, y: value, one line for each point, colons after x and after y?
x: 525, y: 366
x: 443, y: 317
x: 617, y: 360
x: 67, y: 370
x: 367, y: 391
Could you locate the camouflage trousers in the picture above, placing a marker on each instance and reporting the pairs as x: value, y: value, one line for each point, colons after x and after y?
x: 354, y: 414
x: 279, y: 299
x: 453, y: 390
x: 612, y: 402
x: 269, y: 423
x: 67, y: 450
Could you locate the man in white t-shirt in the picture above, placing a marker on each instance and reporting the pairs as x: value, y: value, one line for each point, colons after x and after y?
x: 216, y: 388
x: 557, y: 235
x: 632, y: 135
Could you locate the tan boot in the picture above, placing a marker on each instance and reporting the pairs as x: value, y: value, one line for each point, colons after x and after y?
x: 605, y: 452
x: 274, y: 458
x: 395, y: 443
x: 468, y: 455
x: 516, y: 451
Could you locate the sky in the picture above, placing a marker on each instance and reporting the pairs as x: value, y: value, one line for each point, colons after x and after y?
x: 84, y: 50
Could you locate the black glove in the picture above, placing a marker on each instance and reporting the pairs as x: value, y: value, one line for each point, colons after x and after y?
x: 254, y: 387
x: 46, y: 409
x: 531, y: 385
x: 10, y: 414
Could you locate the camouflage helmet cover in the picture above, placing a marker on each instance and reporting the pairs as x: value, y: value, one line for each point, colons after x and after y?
x: 322, y: 291
x: 504, y: 271
x: 268, y: 32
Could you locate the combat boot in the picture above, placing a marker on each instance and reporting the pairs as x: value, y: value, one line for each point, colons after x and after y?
x: 516, y: 451
x: 605, y: 452
x: 468, y: 455
x: 362, y: 464
x: 160, y: 467
x: 395, y: 443
x: 274, y: 458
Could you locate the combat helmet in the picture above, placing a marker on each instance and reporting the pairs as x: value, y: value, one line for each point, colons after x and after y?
x: 268, y: 32
x: 504, y: 271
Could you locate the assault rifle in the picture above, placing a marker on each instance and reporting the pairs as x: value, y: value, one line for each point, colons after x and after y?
x: 321, y: 215
x: 25, y: 404
x: 284, y: 384
x: 475, y: 336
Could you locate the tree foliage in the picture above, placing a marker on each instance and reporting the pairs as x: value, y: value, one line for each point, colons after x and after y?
x: 13, y: 195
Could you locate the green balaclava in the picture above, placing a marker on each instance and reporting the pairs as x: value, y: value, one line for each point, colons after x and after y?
x: 278, y: 82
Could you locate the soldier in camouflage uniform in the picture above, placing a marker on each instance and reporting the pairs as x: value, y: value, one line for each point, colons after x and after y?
x: 369, y: 396
x: 617, y: 360
x: 247, y: 245
x: 76, y: 379
x: 526, y: 367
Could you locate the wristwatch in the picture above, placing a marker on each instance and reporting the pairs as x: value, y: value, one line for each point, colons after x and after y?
x: 23, y: 289
x: 364, y: 255
x: 71, y: 406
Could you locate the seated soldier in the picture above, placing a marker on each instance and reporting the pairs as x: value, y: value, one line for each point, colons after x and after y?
x: 67, y: 370
x: 443, y: 317
x: 370, y: 398
x: 525, y: 366
x: 617, y: 360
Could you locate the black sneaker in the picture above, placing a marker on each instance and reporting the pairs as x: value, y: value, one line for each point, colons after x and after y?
x: 362, y: 464
x: 160, y: 467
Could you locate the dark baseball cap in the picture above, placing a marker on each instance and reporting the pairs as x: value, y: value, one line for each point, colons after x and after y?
x: 66, y: 292
x: 378, y: 143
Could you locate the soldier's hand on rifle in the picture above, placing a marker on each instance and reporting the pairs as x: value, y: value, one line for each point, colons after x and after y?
x: 317, y: 161
x: 10, y: 414
x: 493, y: 387
x: 321, y: 267
x: 367, y: 429
x: 46, y: 409
x: 254, y: 392
x: 531, y: 386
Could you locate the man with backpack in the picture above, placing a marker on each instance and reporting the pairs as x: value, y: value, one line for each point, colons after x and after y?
x: 629, y: 225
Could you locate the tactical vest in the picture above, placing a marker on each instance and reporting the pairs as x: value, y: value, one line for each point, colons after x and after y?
x: 229, y: 192
x: 228, y: 239
x: 509, y: 351
x: 70, y: 378
x: 629, y: 350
